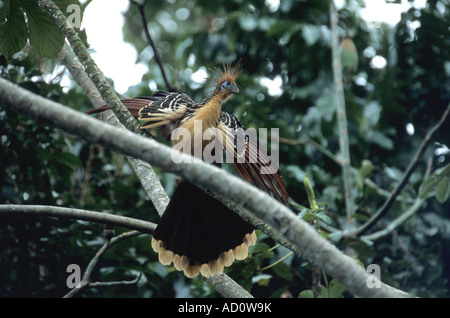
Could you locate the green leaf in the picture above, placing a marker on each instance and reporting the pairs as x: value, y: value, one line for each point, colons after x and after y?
x: 262, y: 250
x: 349, y: 55
x: 380, y: 139
x: 364, y: 172
x: 67, y: 159
x: 306, y: 294
x: 438, y: 180
x: 283, y: 271
x: 45, y: 36
x: 334, y: 290
x: 372, y: 113
x: 13, y: 30
x: 443, y: 190
x: 324, y: 218
x: 427, y: 186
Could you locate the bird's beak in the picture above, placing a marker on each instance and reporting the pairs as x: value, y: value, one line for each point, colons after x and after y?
x: 234, y: 89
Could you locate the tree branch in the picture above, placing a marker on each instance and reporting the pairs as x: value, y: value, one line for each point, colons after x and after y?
x: 314, y: 248
x: 411, y: 167
x: 395, y: 223
x: 152, y: 44
x: 85, y: 281
x: 341, y: 118
x: 77, y: 214
x: 91, y: 68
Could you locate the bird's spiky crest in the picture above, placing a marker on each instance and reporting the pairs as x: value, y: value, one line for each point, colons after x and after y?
x: 227, y: 74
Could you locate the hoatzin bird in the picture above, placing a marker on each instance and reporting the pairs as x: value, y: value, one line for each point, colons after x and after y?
x: 198, y: 233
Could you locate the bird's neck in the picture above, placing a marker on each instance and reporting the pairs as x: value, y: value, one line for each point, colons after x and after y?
x: 209, y: 112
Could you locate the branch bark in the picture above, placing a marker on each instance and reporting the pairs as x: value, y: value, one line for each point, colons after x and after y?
x: 78, y: 214
x: 314, y: 248
x: 341, y: 118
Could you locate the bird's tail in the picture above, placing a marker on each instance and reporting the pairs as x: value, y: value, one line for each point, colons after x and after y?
x: 133, y: 105
x: 199, y: 234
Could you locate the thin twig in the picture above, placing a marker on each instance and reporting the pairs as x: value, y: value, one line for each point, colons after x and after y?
x: 412, y: 166
x: 404, y: 216
x: 118, y: 283
x: 316, y: 286
x: 85, y: 281
x: 305, y: 139
x: 152, y: 44
x: 397, y: 222
x: 77, y: 214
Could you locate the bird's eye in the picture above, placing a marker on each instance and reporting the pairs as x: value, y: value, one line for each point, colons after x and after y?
x: 226, y: 84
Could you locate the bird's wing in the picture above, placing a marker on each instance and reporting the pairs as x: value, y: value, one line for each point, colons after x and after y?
x: 250, y: 157
x: 163, y: 108
x: 159, y: 109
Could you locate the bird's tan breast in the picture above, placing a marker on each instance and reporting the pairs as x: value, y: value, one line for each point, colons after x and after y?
x: 205, y: 118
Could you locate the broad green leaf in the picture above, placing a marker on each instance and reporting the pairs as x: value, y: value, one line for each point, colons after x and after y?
x: 443, y: 190
x: 372, y: 113
x: 296, y: 172
x: 349, y: 55
x: 438, y: 180
x: 13, y: 30
x: 427, y: 186
x: 364, y: 172
x: 334, y: 290
x: 262, y: 250
x: 324, y: 218
x: 380, y: 139
x: 311, y: 33
x: 67, y: 159
x: 283, y: 271
x: 306, y: 294
x: 45, y: 36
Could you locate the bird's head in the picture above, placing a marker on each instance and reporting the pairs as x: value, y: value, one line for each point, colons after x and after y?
x: 224, y: 81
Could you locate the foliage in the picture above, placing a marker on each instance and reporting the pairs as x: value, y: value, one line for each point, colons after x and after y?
x: 44, y: 36
x: 289, y: 42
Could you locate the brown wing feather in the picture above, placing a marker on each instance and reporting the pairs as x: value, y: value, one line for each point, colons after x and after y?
x: 250, y: 157
x: 133, y: 105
